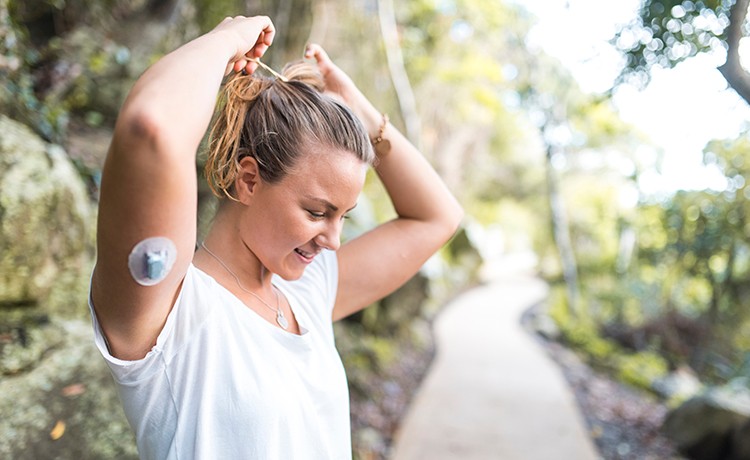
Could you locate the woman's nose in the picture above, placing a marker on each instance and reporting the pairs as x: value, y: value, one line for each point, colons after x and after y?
x: 331, y: 237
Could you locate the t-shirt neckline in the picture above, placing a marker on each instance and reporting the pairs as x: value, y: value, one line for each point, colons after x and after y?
x: 297, y: 312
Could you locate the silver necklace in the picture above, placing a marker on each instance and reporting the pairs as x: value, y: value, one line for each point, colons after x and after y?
x: 280, y: 318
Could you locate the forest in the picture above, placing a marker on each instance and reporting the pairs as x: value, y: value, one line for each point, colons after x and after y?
x: 648, y: 288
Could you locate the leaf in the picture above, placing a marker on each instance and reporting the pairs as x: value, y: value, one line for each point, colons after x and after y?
x: 73, y: 390
x: 58, y: 431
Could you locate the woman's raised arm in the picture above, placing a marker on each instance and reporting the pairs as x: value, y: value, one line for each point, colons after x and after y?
x: 378, y: 262
x: 149, y: 178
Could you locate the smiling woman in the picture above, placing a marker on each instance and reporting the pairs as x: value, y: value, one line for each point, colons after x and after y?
x: 229, y: 351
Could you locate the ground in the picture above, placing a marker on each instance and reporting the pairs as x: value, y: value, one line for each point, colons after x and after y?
x: 624, y: 422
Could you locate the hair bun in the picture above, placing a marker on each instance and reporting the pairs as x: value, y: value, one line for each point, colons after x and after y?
x: 304, y: 72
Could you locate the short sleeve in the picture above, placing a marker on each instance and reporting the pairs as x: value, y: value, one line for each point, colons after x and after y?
x: 186, y: 317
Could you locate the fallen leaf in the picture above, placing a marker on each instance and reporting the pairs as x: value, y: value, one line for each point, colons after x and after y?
x: 57, y: 431
x: 73, y: 390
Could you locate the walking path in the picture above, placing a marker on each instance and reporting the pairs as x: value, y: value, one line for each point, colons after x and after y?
x: 492, y: 393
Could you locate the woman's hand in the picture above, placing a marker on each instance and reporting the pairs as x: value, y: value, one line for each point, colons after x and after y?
x: 378, y: 262
x: 340, y: 86
x: 253, y: 36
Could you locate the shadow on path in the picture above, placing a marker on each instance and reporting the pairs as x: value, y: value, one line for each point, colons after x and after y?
x: 492, y: 392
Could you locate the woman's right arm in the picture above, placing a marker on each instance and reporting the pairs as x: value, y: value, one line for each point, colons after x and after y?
x: 149, y: 185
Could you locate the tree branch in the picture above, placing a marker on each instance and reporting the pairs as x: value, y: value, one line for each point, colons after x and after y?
x: 404, y: 94
x: 737, y: 77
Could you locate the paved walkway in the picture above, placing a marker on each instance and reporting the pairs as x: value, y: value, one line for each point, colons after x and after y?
x: 492, y: 393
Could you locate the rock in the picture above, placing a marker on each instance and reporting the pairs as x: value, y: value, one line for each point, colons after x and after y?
x: 78, y: 59
x: 741, y: 435
x: 72, y: 386
x: 545, y: 326
x: 707, y: 426
x: 394, y: 314
x: 464, y: 258
x: 679, y: 385
x: 369, y: 440
x: 46, y: 224
x: 741, y: 442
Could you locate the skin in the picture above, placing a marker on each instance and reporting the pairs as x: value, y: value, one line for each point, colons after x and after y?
x: 149, y: 188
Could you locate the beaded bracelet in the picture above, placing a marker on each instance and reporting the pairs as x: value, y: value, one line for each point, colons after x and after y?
x: 381, y: 145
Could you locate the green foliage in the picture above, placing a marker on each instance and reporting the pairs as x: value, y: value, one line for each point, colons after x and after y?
x: 640, y: 369
x: 460, y: 59
x: 667, y: 32
x: 597, y: 122
x: 581, y: 333
x: 686, y: 287
x: 211, y: 12
x: 594, y: 220
x: 61, y: 60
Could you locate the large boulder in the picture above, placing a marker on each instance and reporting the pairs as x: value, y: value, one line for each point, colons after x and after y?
x: 66, y: 406
x: 57, y: 396
x: 46, y: 225
x: 713, y: 425
x: 679, y: 385
x: 75, y: 60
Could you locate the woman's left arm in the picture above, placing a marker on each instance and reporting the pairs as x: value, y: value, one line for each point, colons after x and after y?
x: 381, y: 260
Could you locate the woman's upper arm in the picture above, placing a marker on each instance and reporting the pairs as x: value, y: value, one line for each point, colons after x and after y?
x: 149, y: 180
x: 148, y: 190
x: 383, y: 259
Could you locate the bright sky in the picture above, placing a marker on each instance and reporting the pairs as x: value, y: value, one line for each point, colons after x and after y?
x: 577, y: 33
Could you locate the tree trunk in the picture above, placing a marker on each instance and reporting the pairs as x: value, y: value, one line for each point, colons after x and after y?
x: 404, y: 93
x: 319, y: 24
x: 561, y: 234
x: 737, y: 77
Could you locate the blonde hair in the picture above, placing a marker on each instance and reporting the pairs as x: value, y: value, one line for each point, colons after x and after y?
x: 274, y: 121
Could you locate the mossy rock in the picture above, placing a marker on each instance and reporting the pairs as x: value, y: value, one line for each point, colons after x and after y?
x: 46, y: 224
x: 67, y: 407
x: 463, y: 258
x: 26, y: 335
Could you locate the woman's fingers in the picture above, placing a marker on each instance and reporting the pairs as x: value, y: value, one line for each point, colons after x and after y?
x: 315, y: 51
x: 255, y: 35
x: 337, y: 82
x: 265, y: 37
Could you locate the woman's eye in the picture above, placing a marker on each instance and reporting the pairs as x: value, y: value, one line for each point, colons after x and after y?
x: 317, y: 215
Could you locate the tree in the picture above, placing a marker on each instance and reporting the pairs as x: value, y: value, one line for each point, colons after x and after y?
x: 404, y: 92
x: 695, y: 244
x: 667, y: 32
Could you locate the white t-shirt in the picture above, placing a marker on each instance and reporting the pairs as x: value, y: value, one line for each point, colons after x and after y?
x: 223, y: 383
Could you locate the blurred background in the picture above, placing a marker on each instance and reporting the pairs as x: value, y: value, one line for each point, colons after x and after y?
x: 604, y: 143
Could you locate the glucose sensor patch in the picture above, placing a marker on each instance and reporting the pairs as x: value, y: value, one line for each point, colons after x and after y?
x: 151, y: 260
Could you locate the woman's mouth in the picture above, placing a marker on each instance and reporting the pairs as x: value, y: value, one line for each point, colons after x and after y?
x: 306, y: 257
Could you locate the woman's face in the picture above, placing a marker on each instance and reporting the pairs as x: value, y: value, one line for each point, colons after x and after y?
x: 292, y: 220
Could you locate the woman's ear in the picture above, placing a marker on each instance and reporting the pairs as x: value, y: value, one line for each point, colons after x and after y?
x: 248, y: 179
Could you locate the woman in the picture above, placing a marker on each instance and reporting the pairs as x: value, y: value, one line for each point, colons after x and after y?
x: 227, y: 351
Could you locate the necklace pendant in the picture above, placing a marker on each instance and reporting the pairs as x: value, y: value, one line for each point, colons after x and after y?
x: 281, y: 319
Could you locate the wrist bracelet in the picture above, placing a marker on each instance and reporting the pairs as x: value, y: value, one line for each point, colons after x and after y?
x: 381, y: 145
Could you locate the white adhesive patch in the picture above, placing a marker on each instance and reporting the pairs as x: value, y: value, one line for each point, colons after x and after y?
x: 151, y: 260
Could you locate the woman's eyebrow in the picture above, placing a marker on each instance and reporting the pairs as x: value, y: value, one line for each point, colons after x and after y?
x: 328, y: 204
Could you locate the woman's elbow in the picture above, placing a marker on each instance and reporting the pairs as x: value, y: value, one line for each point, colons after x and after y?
x: 138, y: 122
x: 141, y: 129
x: 451, y: 219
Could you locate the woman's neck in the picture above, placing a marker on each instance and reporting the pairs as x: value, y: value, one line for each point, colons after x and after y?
x: 224, y: 254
